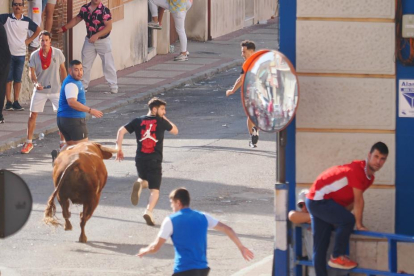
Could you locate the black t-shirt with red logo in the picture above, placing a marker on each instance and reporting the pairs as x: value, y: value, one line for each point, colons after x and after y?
x: 149, y: 131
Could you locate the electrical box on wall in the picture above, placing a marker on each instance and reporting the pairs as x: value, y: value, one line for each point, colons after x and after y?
x: 408, y: 26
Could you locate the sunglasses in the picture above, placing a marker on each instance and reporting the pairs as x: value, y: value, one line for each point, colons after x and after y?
x: 18, y: 4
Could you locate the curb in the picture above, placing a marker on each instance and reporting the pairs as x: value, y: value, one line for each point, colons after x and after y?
x: 150, y: 93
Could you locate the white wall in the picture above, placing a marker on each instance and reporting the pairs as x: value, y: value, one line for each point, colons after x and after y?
x: 129, y: 38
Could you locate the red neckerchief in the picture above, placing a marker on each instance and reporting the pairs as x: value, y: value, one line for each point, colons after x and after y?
x: 45, y: 60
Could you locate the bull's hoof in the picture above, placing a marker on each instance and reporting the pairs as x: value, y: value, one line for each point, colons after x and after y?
x: 83, y: 239
x: 68, y: 226
x: 54, y: 154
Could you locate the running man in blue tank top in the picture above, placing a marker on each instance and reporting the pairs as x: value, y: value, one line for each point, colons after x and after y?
x: 71, y: 115
x: 188, y: 231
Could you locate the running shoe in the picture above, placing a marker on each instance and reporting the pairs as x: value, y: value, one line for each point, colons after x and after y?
x: 181, y: 57
x: 136, y: 192
x: 9, y: 106
x: 27, y: 147
x: 149, y: 218
x: 1, y: 119
x: 17, y: 106
x: 342, y: 262
x: 154, y: 25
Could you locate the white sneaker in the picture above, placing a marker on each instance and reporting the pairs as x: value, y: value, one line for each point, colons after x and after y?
x: 114, y: 90
x: 154, y: 25
x: 181, y: 57
x: 148, y: 217
x: 136, y: 192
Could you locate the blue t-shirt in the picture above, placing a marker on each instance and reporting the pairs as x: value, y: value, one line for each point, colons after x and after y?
x: 190, y: 240
x: 64, y: 109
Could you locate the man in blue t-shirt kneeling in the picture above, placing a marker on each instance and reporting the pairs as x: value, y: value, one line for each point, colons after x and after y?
x: 188, y: 231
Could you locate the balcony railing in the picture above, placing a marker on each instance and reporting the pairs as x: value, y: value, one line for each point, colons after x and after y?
x: 392, y: 239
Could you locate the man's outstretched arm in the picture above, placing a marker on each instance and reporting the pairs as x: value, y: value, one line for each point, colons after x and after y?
x: 246, y: 253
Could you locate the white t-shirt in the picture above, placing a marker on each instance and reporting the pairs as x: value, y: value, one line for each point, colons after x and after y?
x: 166, y: 229
x: 50, y: 76
x: 71, y: 91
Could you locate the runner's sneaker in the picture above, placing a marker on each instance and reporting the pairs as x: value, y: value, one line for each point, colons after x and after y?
x: 17, y: 106
x: 114, y: 90
x: 9, y: 106
x: 342, y: 262
x: 181, y: 57
x: 2, y: 119
x: 136, y: 192
x: 154, y: 25
x: 148, y: 217
x: 254, y: 137
x: 27, y: 147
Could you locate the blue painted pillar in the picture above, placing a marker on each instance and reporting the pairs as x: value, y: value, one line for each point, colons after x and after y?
x: 404, y: 153
x: 287, y: 39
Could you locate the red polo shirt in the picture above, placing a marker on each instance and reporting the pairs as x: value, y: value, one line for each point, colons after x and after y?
x: 337, y: 182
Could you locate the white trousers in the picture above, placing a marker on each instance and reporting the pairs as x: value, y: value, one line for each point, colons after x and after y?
x: 35, y: 13
x: 103, y: 48
x: 154, y: 4
x: 179, y: 22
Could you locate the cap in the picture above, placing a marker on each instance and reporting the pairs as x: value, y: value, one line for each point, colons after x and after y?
x: 302, y: 196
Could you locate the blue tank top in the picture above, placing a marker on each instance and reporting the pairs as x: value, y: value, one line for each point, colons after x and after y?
x: 64, y: 109
x: 190, y: 240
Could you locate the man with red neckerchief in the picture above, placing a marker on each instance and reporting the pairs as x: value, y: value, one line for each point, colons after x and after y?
x: 47, y: 72
x: 98, y: 21
x: 331, y: 197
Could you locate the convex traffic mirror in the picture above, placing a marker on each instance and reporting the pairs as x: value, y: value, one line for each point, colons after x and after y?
x: 15, y: 203
x: 270, y: 90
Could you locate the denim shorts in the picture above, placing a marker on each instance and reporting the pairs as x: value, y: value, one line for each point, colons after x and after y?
x: 16, y: 68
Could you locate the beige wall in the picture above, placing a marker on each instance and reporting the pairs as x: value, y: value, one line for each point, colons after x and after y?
x: 4, y: 6
x: 230, y: 15
x: 348, y: 102
x: 196, y: 21
x: 129, y: 38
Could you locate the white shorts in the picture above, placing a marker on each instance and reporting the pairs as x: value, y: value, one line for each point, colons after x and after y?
x: 39, y: 100
x: 51, y: 2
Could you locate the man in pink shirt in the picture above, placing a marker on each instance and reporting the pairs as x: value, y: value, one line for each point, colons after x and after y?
x: 329, y: 201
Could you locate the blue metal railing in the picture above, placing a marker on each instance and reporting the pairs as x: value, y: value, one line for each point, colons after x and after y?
x: 392, y: 252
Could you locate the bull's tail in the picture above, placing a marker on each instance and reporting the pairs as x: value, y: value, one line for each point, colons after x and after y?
x: 50, y: 211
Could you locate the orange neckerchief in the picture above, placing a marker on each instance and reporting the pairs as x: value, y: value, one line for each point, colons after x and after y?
x: 45, y: 60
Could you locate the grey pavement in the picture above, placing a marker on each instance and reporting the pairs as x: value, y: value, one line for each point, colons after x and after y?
x: 151, y: 78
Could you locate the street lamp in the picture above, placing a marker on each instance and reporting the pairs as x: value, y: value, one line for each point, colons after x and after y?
x: 270, y: 96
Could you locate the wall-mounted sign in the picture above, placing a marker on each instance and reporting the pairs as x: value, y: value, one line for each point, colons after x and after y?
x: 406, y: 98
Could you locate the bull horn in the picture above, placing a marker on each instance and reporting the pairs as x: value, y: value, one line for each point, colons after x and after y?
x: 108, y: 149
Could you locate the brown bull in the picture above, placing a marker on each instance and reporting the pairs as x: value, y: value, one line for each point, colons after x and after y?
x: 79, y: 175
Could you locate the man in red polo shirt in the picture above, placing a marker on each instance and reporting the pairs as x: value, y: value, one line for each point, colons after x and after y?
x: 329, y: 201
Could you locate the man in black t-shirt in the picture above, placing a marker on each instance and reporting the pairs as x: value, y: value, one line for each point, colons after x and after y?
x: 149, y: 131
x: 247, y: 50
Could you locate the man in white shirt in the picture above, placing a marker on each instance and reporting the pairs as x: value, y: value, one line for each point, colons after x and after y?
x: 47, y: 71
x: 188, y: 231
x: 17, y: 26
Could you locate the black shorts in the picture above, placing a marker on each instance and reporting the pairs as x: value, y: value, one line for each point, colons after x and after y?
x: 193, y: 272
x: 73, y: 129
x: 150, y: 170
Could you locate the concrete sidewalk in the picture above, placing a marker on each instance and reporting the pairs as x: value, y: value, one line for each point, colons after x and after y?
x: 151, y: 78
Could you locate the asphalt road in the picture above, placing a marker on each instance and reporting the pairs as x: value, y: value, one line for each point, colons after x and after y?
x: 210, y: 157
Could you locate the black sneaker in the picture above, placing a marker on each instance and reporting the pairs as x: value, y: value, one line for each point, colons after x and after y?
x: 17, y: 106
x: 9, y: 106
x: 1, y: 119
x: 255, y: 136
